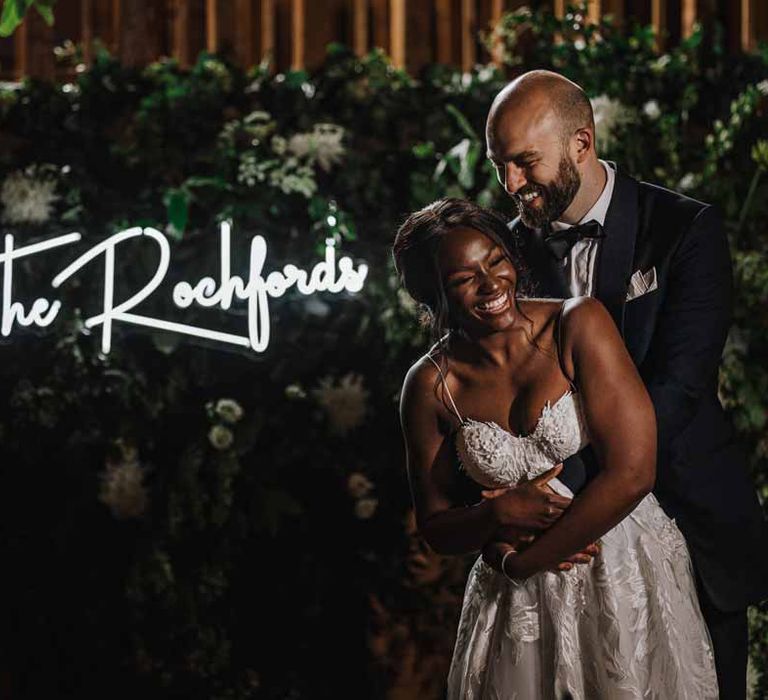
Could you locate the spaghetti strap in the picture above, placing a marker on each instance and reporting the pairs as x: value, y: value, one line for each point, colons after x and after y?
x: 447, y: 390
x: 558, y: 346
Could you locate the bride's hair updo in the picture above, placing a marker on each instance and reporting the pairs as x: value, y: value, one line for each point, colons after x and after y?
x: 415, y: 253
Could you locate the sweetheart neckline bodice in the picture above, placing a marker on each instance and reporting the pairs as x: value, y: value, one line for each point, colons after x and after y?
x: 493, y: 456
x: 546, y: 408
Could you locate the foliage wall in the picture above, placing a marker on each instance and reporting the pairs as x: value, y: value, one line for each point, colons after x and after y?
x: 182, y: 520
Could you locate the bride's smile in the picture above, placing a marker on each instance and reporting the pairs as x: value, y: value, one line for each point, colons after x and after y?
x: 479, y: 281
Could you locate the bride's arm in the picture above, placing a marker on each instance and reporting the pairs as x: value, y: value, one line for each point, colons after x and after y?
x: 432, y: 477
x: 622, y: 429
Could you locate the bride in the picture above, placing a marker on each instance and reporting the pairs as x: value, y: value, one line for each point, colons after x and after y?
x: 513, y: 387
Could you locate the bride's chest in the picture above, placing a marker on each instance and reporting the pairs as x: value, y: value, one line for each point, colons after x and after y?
x: 494, y: 457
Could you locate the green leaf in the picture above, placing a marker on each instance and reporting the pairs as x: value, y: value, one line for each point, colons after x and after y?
x: 463, y: 123
x: 12, y: 15
x: 45, y: 10
x: 177, y: 206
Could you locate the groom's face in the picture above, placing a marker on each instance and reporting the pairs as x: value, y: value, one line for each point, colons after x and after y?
x: 533, y: 164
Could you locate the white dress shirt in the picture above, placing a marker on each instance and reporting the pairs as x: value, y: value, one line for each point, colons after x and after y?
x: 581, y: 260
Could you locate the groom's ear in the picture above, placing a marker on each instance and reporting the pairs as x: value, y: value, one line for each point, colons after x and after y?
x: 583, y: 143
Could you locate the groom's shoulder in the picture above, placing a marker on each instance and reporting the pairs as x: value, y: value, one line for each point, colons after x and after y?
x: 656, y: 198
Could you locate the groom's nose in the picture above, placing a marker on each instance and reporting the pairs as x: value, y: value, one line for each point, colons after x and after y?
x: 514, y: 178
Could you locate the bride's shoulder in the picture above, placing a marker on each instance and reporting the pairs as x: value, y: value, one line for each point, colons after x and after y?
x: 586, y: 318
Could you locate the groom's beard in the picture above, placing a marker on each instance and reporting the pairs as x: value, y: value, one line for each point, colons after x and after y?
x: 555, y: 197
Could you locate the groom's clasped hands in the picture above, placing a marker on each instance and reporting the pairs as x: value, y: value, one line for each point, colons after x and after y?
x: 523, y: 510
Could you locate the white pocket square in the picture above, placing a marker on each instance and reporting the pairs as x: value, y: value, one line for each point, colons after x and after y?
x: 642, y: 283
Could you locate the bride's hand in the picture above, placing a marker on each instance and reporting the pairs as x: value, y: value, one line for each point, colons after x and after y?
x: 529, y: 505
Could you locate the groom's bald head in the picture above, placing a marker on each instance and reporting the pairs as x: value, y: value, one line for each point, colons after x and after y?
x: 541, y: 141
x: 543, y: 95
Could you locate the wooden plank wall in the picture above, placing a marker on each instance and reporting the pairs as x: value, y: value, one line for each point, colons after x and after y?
x: 294, y: 33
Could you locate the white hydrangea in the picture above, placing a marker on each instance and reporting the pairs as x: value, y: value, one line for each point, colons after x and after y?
x: 359, y: 485
x: 652, y: 110
x: 366, y: 507
x: 609, y: 116
x: 221, y: 437
x: 122, y: 488
x: 344, y: 403
x: 762, y: 87
x: 28, y: 196
x: 321, y: 145
x: 229, y: 410
x: 687, y: 182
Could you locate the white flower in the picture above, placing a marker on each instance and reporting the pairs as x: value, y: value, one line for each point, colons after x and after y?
x: 753, y: 679
x: 579, y: 44
x: 651, y: 109
x: 27, y: 197
x: 322, y: 145
x: 366, y: 507
x: 122, y: 489
x: 359, y: 485
x: 687, y: 182
x: 762, y: 87
x: 345, y: 403
x: 279, y: 144
x: 609, y: 116
x: 221, y: 437
x: 229, y: 410
x: 295, y: 391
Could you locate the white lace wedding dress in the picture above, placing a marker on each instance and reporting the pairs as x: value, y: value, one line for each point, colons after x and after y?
x: 627, y: 625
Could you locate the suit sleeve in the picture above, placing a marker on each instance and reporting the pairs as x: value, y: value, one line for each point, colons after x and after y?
x: 684, y: 356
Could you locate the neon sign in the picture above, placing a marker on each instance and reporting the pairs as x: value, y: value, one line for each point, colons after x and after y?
x: 329, y: 275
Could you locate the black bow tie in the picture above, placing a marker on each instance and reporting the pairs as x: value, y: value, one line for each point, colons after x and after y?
x: 561, y: 242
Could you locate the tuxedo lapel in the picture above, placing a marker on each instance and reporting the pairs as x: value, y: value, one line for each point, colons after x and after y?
x: 547, y: 273
x: 617, y: 249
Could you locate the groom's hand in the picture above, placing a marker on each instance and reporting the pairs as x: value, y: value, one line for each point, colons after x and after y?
x: 529, y: 505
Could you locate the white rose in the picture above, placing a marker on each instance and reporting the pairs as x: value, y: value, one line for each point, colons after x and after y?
x: 221, y: 437
x: 359, y: 485
x: 229, y: 410
x: 366, y: 507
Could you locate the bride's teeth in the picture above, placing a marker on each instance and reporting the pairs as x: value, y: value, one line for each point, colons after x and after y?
x: 493, y: 305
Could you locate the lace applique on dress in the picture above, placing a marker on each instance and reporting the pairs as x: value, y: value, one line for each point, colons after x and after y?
x: 626, y: 626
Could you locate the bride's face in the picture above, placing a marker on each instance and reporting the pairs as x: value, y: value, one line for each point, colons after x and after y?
x: 479, y: 281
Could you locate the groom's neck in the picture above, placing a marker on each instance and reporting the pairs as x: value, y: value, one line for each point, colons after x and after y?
x: 593, y: 181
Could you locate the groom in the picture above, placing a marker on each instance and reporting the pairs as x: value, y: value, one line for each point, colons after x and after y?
x: 659, y: 262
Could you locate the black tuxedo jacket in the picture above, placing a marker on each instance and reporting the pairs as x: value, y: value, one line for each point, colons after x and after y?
x: 675, y: 334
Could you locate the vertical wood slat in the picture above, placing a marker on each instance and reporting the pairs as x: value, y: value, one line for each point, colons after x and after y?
x: 615, y: 8
x: 747, y: 22
x: 444, y: 31
x: 86, y: 30
x: 180, y: 32
x: 468, y: 31
x: 245, y: 49
x: 594, y: 11
x: 397, y: 32
x: 380, y: 16
x: 21, y: 51
x: 497, y: 11
x: 297, y: 34
x: 211, y: 25
x: 687, y: 17
x: 117, y: 12
x: 33, y: 48
x: 659, y: 21
x: 267, y: 48
x: 360, y: 27
x: 560, y: 8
